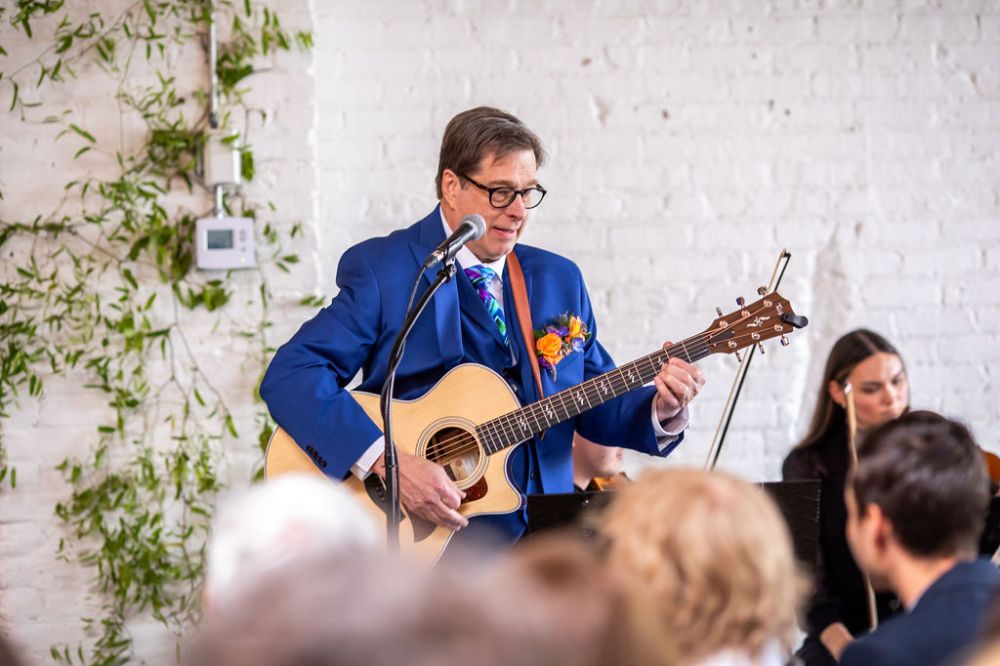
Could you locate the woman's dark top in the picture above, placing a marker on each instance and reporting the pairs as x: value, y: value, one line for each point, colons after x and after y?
x: 839, y: 586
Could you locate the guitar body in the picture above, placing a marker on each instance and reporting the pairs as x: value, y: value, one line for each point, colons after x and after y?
x: 439, y: 426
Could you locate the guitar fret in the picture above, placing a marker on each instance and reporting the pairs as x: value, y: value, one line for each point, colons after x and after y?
x: 494, y: 436
x: 565, y: 408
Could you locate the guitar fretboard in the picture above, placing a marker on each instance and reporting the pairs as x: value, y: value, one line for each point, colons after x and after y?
x: 522, y: 424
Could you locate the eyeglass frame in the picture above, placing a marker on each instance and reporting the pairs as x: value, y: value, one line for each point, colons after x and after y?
x: 490, y: 190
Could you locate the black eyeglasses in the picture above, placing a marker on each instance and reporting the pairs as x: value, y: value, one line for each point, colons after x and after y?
x: 501, y: 197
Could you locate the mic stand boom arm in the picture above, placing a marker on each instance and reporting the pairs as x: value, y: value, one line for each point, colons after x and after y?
x: 394, y: 514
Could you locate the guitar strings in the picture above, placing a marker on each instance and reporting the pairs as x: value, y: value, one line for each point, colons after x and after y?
x: 465, y: 443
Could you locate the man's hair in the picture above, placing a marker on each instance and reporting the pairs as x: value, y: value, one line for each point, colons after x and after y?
x: 707, y: 559
x: 927, y: 475
x: 473, y: 134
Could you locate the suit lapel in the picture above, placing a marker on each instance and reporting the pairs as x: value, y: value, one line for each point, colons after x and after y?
x: 445, y: 307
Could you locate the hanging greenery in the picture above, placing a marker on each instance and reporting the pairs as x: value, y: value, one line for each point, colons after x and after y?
x: 101, y: 286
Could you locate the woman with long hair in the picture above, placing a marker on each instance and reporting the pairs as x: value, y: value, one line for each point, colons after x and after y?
x: 838, y: 610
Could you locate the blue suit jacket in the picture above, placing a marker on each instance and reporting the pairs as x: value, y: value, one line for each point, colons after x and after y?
x: 942, y: 625
x: 304, y: 385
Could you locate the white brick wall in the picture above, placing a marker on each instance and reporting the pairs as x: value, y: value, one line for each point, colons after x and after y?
x: 689, y: 142
x: 42, y: 599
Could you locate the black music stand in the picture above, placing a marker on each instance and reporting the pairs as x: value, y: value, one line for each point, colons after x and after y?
x: 990, y: 541
x: 797, y: 500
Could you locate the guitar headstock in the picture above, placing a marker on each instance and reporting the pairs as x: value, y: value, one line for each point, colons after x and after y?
x: 770, y: 317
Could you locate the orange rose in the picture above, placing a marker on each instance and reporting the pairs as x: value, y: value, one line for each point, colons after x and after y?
x: 549, y: 346
x: 574, y: 327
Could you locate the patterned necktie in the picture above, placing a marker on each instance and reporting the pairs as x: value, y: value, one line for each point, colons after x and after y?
x: 481, y: 277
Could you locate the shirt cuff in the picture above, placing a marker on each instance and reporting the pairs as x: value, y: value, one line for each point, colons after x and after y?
x: 363, y: 466
x: 669, y: 430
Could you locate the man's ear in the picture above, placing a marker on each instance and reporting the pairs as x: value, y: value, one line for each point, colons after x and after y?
x: 450, y: 185
x: 836, y: 391
x: 881, y: 528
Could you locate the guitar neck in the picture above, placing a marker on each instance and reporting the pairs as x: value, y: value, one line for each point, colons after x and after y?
x: 521, y: 424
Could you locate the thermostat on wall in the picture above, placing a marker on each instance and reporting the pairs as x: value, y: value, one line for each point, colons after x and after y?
x: 224, y: 243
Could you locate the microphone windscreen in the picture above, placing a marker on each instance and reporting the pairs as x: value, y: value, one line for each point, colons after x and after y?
x: 478, y: 223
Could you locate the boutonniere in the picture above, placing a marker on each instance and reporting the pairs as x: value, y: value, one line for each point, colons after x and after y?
x: 565, y: 335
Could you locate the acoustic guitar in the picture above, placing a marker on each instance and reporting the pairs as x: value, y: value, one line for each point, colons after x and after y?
x: 470, y: 421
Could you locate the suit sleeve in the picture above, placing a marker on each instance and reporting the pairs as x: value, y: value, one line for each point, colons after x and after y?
x: 304, y: 384
x: 865, y: 653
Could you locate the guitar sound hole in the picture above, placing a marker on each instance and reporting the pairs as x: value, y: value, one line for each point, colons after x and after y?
x: 457, y: 451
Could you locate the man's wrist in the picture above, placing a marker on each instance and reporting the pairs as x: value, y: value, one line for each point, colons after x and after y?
x: 378, y: 467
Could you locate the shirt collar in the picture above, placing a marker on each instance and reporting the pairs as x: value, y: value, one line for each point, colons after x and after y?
x: 465, y: 256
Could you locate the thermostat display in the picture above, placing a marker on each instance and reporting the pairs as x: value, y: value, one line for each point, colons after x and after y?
x: 224, y: 243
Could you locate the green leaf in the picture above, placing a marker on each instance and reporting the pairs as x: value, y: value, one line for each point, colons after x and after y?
x: 81, y: 151
x: 82, y: 132
x: 230, y: 426
x: 65, y: 42
x: 246, y: 165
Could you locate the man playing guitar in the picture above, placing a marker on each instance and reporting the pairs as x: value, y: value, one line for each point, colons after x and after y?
x: 488, y: 166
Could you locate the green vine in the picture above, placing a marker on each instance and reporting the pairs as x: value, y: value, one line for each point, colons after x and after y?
x: 102, y: 285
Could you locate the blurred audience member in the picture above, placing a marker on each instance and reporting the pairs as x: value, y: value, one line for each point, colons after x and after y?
x: 915, y: 506
x: 595, y: 466
x: 543, y: 610
x: 708, y: 559
x: 838, y: 610
x: 274, y: 525
x: 583, y: 605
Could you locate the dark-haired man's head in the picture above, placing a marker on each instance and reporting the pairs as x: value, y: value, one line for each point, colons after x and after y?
x: 488, y: 166
x: 919, y: 492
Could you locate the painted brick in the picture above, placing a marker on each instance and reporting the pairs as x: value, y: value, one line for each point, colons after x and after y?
x: 688, y: 142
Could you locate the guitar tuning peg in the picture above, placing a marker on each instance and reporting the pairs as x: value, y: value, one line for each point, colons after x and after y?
x: 741, y: 301
x: 762, y: 290
x: 718, y: 310
x: 784, y: 341
x: 760, y: 346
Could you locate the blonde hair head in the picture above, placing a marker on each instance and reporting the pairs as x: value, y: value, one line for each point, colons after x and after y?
x: 707, y: 560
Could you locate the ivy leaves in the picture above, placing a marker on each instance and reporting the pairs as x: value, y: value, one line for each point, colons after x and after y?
x: 109, y: 289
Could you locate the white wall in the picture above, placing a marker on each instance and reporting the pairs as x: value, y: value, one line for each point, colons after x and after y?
x: 689, y: 142
x: 43, y: 599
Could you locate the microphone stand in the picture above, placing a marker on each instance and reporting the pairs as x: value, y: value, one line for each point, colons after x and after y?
x: 394, y: 513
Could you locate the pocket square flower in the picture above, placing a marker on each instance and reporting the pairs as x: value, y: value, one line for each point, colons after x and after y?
x: 565, y: 335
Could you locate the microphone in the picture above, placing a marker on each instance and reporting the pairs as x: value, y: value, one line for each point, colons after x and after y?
x: 471, y: 228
